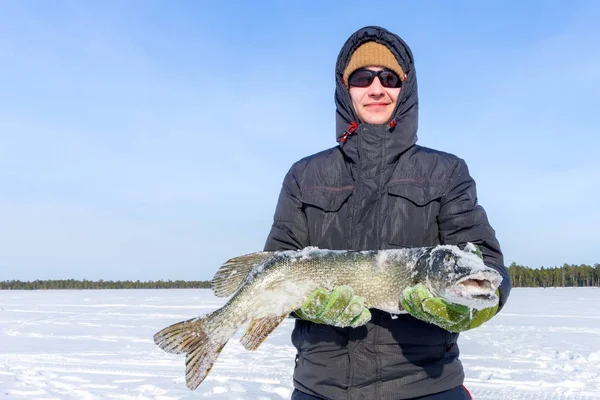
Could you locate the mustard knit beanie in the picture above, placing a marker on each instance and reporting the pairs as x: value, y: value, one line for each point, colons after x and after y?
x: 372, y: 54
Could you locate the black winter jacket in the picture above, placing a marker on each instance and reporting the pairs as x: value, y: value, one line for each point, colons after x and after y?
x: 380, y: 190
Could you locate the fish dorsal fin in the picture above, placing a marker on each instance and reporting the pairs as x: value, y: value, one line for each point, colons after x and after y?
x: 231, y: 276
x: 258, y: 330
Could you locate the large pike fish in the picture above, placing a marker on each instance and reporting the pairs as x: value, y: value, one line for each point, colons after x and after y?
x: 268, y: 286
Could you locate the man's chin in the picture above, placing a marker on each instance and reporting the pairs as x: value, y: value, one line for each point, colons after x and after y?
x: 376, y: 120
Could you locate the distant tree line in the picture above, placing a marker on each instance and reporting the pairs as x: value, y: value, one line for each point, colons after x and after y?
x: 101, y: 284
x: 566, y: 276
x: 522, y: 276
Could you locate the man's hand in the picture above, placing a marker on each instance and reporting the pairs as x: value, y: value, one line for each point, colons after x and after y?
x: 420, y: 303
x: 340, y: 308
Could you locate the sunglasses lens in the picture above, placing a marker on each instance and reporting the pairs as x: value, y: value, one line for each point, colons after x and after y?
x: 389, y: 79
x: 361, y: 78
x: 364, y: 78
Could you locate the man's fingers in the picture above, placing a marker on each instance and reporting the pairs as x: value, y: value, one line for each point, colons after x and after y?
x: 314, y: 303
x: 340, y: 307
x: 361, y: 319
x: 412, y: 299
x: 420, y: 293
x: 354, y: 308
x: 479, y: 317
x: 336, y: 303
x: 440, y: 309
x: 420, y: 303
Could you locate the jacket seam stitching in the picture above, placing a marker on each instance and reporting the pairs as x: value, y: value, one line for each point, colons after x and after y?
x: 327, y: 188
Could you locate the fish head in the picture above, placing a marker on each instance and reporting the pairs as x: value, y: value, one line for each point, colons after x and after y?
x: 460, y: 276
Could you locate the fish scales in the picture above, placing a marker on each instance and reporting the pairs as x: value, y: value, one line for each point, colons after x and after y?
x: 285, y: 281
x: 267, y: 286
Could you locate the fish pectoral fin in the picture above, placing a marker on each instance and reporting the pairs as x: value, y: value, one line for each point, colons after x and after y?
x: 258, y: 330
x: 231, y: 275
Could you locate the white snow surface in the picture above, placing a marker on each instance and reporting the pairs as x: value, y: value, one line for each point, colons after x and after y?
x: 545, y: 344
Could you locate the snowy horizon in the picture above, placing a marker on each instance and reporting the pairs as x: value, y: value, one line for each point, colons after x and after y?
x: 544, y: 345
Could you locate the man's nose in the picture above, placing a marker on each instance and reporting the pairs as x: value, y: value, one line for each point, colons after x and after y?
x: 376, y: 89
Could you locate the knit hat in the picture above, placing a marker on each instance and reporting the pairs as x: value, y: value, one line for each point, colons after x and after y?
x: 372, y: 54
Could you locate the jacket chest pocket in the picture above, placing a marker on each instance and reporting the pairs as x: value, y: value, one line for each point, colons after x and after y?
x: 327, y: 215
x: 411, y: 217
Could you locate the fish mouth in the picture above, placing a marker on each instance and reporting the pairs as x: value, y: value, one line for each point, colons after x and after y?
x: 477, y: 290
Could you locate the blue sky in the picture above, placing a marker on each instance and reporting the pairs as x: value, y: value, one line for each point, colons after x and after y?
x: 148, y: 139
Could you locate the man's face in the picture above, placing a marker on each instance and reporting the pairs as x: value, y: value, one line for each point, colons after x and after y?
x: 374, y: 104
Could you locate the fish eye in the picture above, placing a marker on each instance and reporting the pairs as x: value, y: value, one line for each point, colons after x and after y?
x: 448, y: 258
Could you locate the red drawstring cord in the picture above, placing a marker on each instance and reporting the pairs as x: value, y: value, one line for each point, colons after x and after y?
x: 349, y: 131
x: 353, y: 126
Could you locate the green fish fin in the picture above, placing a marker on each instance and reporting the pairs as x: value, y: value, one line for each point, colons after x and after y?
x: 258, y: 330
x: 231, y: 276
x: 202, y: 347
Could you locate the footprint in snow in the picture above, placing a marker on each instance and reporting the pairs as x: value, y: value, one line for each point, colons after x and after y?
x: 31, y: 380
x: 485, y: 376
x: 282, y: 391
x: 151, y: 390
x: 26, y: 393
x: 128, y: 380
x: 75, y: 379
x: 594, y: 357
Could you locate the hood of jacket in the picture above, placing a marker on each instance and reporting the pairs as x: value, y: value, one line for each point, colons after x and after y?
x: 389, y: 140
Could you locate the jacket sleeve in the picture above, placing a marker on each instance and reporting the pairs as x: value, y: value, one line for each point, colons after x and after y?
x: 463, y: 220
x: 289, y: 230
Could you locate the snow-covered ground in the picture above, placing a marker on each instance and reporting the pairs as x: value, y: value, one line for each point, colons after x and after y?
x: 545, y: 344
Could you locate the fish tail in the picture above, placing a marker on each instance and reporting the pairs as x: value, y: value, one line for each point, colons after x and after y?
x: 201, y: 339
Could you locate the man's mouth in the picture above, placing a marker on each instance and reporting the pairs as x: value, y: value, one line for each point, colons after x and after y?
x: 376, y: 105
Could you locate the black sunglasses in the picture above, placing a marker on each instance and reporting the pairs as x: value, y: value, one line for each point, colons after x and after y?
x: 364, y: 77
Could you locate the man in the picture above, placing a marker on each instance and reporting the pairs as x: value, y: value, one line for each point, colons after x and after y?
x: 377, y: 189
